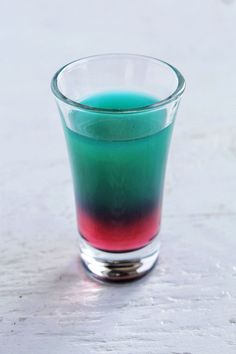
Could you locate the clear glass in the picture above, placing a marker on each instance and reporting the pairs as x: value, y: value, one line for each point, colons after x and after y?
x: 118, y: 112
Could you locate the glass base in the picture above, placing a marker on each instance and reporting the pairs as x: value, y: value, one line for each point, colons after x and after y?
x: 119, y: 266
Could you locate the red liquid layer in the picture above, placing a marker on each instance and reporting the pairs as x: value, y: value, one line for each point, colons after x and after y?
x: 116, y: 235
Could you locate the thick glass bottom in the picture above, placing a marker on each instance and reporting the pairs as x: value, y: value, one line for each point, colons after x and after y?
x: 119, y: 266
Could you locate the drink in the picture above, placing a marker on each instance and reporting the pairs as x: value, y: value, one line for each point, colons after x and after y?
x: 118, y: 168
x: 118, y: 136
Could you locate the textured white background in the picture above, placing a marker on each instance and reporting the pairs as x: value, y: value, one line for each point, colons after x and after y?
x: 48, y: 304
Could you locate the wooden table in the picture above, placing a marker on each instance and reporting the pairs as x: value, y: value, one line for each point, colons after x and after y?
x: 48, y: 304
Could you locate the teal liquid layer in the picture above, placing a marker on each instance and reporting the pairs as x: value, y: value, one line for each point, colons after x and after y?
x: 118, y: 166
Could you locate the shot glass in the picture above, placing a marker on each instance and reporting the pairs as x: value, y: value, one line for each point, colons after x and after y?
x: 118, y: 113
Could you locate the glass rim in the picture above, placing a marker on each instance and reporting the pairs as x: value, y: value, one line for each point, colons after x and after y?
x: 172, y: 97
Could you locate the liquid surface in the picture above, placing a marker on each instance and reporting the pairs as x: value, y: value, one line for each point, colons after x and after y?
x: 119, y: 100
x: 118, y: 165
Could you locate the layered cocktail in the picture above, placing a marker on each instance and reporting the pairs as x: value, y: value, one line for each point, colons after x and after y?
x: 118, y: 123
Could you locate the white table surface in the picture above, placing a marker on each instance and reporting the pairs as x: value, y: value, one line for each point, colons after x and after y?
x: 48, y: 304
